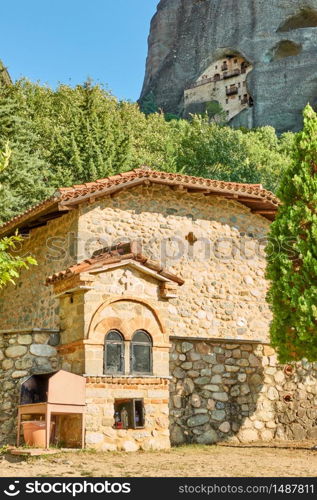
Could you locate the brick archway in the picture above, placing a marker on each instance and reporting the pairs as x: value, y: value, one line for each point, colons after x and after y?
x: 142, y: 316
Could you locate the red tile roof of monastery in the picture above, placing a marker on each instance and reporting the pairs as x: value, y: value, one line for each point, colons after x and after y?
x: 121, y: 253
x: 260, y: 200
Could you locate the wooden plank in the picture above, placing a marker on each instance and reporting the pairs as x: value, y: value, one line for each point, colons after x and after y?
x: 264, y: 212
x: 201, y: 190
x: 34, y: 452
x: 222, y: 195
x: 251, y: 200
x: 103, y: 192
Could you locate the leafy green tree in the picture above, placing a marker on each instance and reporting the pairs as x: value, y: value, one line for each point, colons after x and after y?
x: 10, y: 264
x: 207, y: 150
x: 292, y: 254
x: 216, y: 113
x: 75, y: 135
x: 28, y: 179
x: 270, y: 154
x: 171, y: 116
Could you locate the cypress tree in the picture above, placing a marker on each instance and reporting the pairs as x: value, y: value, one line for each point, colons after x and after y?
x: 292, y: 253
x: 28, y: 179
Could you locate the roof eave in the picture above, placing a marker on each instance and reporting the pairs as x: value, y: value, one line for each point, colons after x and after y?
x: 252, y: 196
x: 35, y: 217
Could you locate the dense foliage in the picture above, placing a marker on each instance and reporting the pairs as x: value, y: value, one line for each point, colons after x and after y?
x: 292, y: 255
x: 10, y: 264
x: 74, y: 135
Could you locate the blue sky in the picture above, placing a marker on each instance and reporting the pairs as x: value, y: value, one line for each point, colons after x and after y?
x: 66, y: 41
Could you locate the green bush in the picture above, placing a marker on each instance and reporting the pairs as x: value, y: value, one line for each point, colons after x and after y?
x: 292, y: 255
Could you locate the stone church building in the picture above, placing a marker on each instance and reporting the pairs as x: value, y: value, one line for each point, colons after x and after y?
x: 152, y: 286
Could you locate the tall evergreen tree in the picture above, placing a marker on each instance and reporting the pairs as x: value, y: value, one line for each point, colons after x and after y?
x: 10, y: 264
x: 292, y: 254
x: 28, y: 179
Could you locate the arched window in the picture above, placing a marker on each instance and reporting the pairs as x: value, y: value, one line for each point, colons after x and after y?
x: 141, y: 352
x: 114, y: 352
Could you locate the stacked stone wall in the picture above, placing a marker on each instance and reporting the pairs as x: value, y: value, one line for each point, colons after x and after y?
x: 238, y: 392
x: 29, y: 303
x: 224, y: 270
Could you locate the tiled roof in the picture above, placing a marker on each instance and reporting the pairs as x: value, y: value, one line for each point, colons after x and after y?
x: 72, y: 196
x: 159, y: 177
x: 121, y: 253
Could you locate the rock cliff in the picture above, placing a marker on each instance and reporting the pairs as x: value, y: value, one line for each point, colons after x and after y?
x: 277, y: 37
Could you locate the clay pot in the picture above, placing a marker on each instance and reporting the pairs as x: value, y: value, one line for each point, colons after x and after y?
x: 34, y: 433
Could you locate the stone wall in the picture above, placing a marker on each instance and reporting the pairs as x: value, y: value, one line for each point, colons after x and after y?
x: 22, y: 355
x: 219, y: 391
x: 238, y: 392
x: 225, y: 287
x: 29, y: 303
x: 101, y: 393
x: 224, y: 291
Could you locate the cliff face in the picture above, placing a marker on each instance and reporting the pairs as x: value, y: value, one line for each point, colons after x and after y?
x: 277, y: 37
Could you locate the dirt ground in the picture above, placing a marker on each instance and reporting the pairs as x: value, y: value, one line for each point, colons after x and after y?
x: 282, y: 460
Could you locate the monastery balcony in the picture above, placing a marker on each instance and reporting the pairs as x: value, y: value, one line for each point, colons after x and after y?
x: 232, y: 90
x: 245, y: 100
x: 224, y: 67
x: 231, y: 74
x: 204, y: 81
x: 199, y: 83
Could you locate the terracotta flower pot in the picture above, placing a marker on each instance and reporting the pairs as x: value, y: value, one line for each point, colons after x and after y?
x: 34, y: 433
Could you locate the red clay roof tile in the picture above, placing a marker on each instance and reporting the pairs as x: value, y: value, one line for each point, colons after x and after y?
x: 107, y: 256
x: 80, y: 193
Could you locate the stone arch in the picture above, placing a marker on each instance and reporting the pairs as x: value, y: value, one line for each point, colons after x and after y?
x: 218, y: 58
x: 126, y: 314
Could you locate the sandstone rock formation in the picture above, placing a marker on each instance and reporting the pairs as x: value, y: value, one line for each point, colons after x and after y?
x: 278, y: 37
